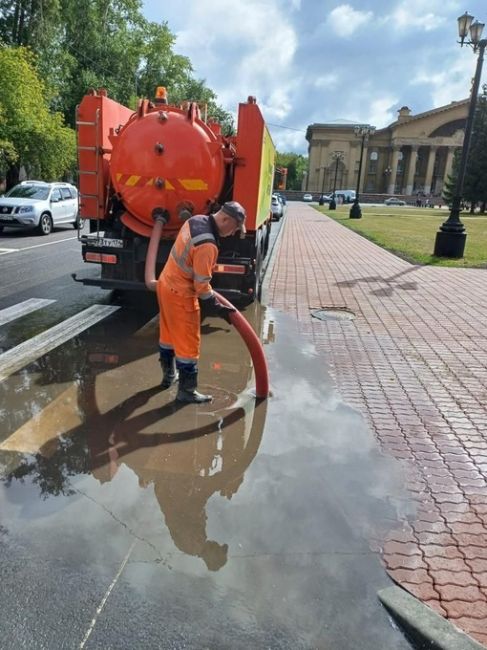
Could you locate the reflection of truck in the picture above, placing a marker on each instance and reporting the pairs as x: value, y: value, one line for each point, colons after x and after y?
x: 163, y: 157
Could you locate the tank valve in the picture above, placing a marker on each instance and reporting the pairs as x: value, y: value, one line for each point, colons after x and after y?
x: 163, y: 116
x: 159, y: 148
x: 159, y: 183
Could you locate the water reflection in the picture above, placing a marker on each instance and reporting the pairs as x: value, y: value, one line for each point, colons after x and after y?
x: 185, y: 454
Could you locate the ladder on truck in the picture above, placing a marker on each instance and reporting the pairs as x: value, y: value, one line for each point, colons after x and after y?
x: 89, y: 153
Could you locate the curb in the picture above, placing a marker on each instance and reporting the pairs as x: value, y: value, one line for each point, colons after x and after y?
x: 271, y: 259
x: 424, y: 627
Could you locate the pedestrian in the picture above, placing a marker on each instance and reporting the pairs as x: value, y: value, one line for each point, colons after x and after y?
x: 184, y: 295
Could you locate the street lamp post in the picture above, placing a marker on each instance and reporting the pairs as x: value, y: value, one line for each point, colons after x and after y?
x: 362, y: 131
x: 451, y: 237
x: 321, y: 200
x: 337, y: 156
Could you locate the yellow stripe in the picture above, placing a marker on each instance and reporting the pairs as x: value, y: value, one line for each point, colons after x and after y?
x: 193, y: 184
x: 133, y: 180
x: 150, y: 182
x: 118, y: 177
x: 168, y: 186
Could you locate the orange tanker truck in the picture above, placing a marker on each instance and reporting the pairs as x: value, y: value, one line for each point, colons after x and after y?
x: 168, y: 158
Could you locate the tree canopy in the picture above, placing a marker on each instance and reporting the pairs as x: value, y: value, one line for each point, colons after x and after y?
x: 475, y: 182
x: 79, y: 45
x: 296, y: 165
x: 30, y: 134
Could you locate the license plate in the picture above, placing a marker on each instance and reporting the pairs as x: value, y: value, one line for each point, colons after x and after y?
x: 108, y: 243
x: 6, y: 217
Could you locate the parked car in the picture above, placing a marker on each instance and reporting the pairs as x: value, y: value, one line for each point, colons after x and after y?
x: 324, y: 198
x: 347, y: 196
x: 35, y: 204
x: 277, y: 208
x: 307, y: 197
x: 394, y: 201
x: 281, y: 197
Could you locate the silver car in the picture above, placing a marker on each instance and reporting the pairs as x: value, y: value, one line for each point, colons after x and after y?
x: 39, y: 205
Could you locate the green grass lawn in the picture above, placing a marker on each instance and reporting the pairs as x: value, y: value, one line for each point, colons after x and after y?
x: 410, y: 232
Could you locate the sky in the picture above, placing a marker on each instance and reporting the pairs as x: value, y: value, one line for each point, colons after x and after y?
x: 315, y: 61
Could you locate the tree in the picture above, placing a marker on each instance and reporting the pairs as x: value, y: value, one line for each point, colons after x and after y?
x: 475, y: 182
x: 35, y: 137
x: 296, y: 165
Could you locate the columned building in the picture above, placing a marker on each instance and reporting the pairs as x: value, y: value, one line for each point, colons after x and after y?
x: 412, y: 155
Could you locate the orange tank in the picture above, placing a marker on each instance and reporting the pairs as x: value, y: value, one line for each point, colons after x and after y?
x: 169, y: 159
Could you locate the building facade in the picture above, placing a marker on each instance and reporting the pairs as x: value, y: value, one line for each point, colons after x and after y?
x: 412, y: 155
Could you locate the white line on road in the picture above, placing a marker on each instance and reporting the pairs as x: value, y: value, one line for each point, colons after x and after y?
x: 49, y: 243
x: 107, y: 594
x: 4, y: 251
x: 30, y: 350
x: 23, y: 308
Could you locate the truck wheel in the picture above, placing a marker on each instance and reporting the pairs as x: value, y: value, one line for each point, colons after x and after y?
x: 258, y: 271
x: 267, y: 238
x: 45, y: 224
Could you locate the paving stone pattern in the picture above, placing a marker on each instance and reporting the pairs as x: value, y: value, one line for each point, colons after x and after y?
x: 414, y: 362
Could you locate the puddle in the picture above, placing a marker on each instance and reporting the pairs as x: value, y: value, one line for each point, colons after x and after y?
x: 224, y: 525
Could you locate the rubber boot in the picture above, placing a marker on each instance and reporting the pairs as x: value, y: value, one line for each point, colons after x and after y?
x: 168, y: 364
x: 188, y: 381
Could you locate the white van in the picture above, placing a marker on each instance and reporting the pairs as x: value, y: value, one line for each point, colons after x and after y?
x: 347, y: 196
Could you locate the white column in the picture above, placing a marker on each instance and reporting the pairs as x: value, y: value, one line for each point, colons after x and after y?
x: 429, y: 170
x: 395, y: 160
x: 411, y: 169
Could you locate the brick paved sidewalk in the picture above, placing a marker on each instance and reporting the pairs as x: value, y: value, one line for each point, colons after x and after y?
x: 414, y: 362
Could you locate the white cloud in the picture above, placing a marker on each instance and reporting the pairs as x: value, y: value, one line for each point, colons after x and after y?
x: 301, y: 64
x: 381, y: 111
x: 345, y: 20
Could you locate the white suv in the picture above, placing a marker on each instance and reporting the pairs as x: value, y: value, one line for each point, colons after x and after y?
x: 34, y: 204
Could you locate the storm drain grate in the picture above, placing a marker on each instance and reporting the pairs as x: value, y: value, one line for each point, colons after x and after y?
x: 333, y: 313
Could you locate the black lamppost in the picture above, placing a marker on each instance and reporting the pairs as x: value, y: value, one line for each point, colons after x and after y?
x: 361, y: 131
x: 322, y: 200
x: 387, y: 175
x: 337, y: 156
x: 451, y: 237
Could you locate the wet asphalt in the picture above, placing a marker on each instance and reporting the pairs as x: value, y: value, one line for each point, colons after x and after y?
x: 128, y: 522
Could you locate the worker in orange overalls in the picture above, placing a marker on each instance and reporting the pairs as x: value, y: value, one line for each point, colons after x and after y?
x: 184, y: 292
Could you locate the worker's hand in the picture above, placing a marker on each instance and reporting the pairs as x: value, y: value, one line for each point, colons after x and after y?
x: 212, y: 307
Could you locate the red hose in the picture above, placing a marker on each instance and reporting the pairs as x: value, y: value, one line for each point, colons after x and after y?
x: 254, y: 346
x: 150, y: 260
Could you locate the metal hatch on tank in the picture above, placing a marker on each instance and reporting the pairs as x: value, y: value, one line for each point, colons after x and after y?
x: 168, y: 158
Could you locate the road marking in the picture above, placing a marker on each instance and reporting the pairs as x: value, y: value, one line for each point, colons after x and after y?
x: 23, y: 308
x: 43, y: 430
x: 4, y: 251
x: 49, y: 243
x: 107, y: 594
x: 27, y: 352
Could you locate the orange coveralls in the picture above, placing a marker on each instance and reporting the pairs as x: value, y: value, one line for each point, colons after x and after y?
x: 186, y: 277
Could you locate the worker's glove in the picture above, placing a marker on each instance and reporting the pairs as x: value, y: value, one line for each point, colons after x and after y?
x: 211, y: 307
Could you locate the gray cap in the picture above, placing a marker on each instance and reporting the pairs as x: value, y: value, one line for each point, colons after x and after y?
x: 236, y: 211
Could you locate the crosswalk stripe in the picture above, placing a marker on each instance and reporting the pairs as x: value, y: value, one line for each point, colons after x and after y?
x: 23, y: 308
x: 23, y: 354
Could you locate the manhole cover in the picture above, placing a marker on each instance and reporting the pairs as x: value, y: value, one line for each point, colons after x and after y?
x: 333, y: 313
